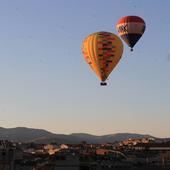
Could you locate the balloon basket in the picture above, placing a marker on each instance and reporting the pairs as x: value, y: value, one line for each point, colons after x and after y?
x: 103, y: 84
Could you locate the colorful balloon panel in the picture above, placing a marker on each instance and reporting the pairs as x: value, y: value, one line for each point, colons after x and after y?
x: 131, y: 28
x: 102, y: 51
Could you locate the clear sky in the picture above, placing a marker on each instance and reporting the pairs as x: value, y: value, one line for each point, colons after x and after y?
x: 45, y: 82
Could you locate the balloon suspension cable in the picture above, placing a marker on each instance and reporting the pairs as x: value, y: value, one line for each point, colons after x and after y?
x: 131, y: 49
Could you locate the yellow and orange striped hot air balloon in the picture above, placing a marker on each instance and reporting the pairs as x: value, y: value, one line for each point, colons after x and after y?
x: 130, y: 29
x: 102, y: 51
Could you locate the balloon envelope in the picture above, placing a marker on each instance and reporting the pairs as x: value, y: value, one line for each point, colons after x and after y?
x: 102, y: 51
x: 131, y: 28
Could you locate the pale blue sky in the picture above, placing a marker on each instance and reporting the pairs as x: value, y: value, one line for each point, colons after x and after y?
x: 45, y: 82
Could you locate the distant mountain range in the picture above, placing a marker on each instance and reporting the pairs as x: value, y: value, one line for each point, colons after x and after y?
x: 23, y: 134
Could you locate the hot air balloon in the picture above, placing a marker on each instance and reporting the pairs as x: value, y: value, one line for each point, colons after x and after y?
x: 102, y: 51
x: 131, y: 28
